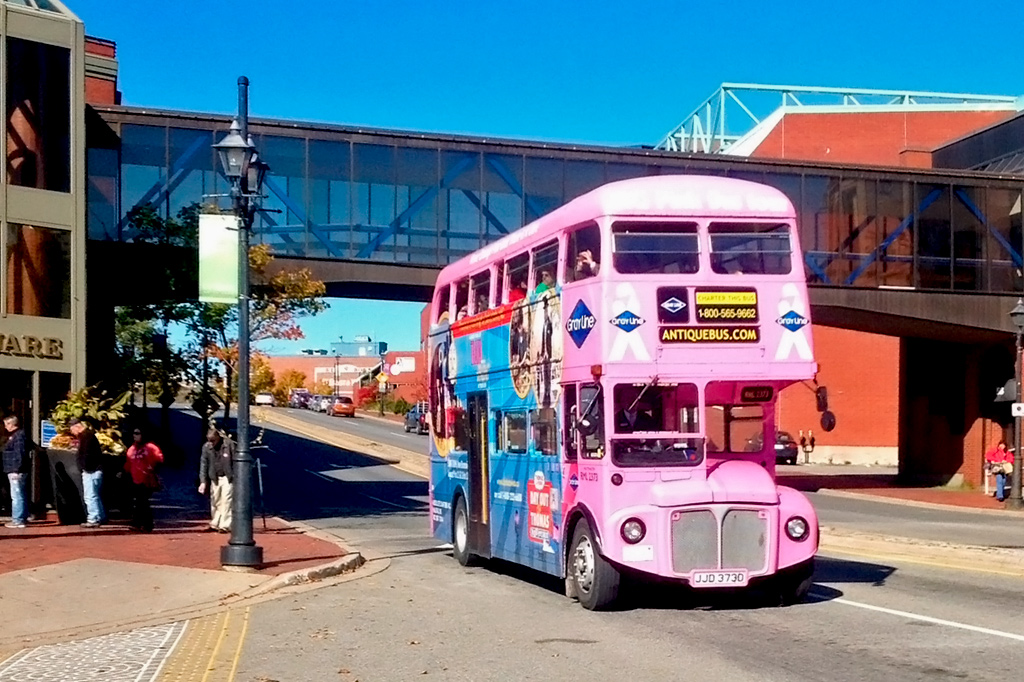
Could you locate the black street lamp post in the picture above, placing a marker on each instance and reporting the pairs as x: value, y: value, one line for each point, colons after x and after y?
x: 1015, y: 501
x: 245, y: 172
x: 382, y: 387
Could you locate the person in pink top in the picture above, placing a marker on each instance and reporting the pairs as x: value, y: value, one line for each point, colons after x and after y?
x: 141, y: 463
x: 1000, y: 462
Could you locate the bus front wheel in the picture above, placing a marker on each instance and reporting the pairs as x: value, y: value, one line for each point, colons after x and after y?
x: 795, y: 582
x: 460, y: 533
x: 595, y: 581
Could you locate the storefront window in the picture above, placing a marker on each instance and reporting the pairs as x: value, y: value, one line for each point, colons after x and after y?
x: 38, y: 271
x: 38, y: 115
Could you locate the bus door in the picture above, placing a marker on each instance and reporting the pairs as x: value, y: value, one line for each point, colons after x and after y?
x: 479, y: 475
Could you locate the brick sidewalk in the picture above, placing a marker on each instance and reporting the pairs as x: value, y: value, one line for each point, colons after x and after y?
x: 184, y: 543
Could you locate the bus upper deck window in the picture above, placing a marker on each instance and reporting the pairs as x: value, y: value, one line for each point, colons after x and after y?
x: 441, y: 302
x: 461, y: 299
x: 750, y: 248
x: 643, y: 248
x: 480, y: 292
x: 545, y: 265
x: 517, y: 272
x: 584, y: 254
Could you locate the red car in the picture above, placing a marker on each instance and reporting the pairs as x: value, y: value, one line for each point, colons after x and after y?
x: 343, y: 407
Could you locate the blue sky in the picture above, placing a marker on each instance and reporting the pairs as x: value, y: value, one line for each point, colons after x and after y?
x: 601, y: 72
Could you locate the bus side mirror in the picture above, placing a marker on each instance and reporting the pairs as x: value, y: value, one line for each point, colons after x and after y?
x: 821, y: 397
x: 587, y: 426
x: 828, y: 421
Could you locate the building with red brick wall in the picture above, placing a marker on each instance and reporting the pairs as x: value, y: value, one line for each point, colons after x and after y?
x: 101, y: 71
x: 882, y: 138
x: 407, y: 375
x: 342, y: 374
x: 861, y: 372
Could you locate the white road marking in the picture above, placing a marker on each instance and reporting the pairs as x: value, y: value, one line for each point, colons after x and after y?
x: 921, y: 618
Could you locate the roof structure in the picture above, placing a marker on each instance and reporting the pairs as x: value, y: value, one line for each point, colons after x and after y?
x: 53, y: 6
x: 737, y: 117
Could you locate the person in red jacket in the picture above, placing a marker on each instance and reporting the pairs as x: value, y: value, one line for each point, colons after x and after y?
x: 141, y: 464
x: 1000, y: 463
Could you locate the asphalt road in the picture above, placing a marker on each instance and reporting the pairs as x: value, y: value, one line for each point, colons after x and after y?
x: 425, y: 617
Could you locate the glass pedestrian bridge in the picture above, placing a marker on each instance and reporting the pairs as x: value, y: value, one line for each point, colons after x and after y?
x: 352, y: 194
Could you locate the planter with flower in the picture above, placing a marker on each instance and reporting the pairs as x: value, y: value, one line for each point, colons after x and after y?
x: 103, y: 415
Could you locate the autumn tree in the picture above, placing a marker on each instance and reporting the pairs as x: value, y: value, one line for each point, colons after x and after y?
x: 288, y: 380
x: 278, y: 300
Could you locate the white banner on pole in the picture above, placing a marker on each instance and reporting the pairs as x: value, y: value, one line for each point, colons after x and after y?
x: 218, y: 258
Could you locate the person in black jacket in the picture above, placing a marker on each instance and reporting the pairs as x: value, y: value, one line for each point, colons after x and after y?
x: 90, y: 463
x: 16, y: 466
x: 215, y: 477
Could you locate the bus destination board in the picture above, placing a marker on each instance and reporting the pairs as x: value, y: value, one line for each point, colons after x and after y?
x: 756, y: 394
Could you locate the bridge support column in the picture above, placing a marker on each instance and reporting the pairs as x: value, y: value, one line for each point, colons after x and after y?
x: 948, y: 418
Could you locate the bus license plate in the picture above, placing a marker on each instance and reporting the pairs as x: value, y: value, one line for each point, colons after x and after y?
x: 718, y: 578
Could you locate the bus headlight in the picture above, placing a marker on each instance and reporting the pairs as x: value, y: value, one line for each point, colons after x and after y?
x: 633, y: 531
x: 797, y: 528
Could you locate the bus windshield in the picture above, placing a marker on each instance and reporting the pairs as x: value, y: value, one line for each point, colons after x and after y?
x: 642, y: 248
x: 644, y: 412
x: 750, y: 248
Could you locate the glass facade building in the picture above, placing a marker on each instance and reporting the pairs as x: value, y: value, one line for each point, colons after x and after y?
x: 402, y: 198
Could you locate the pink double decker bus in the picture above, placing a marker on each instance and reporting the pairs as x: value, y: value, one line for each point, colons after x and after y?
x: 602, y: 391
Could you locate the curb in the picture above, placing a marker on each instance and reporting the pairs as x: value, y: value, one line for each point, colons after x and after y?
x: 882, y: 499
x: 346, y: 564
x: 976, y: 558
x: 415, y: 463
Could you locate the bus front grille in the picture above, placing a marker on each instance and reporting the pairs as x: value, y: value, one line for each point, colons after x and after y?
x: 694, y: 540
x: 745, y: 540
x: 701, y: 542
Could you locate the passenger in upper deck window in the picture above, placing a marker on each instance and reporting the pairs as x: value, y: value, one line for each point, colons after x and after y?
x: 517, y: 292
x: 545, y: 282
x: 586, y: 266
x: 463, y: 311
x: 482, y: 303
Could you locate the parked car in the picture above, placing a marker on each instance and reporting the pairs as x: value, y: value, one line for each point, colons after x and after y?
x: 318, y: 403
x: 343, y: 407
x: 786, y: 449
x: 416, y: 418
x: 299, y: 398
x: 265, y: 399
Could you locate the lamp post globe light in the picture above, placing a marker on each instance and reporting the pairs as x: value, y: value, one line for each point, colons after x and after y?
x: 245, y: 171
x: 1017, y: 317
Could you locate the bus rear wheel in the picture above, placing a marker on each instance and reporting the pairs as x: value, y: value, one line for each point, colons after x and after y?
x: 594, y: 580
x: 460, y: 533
